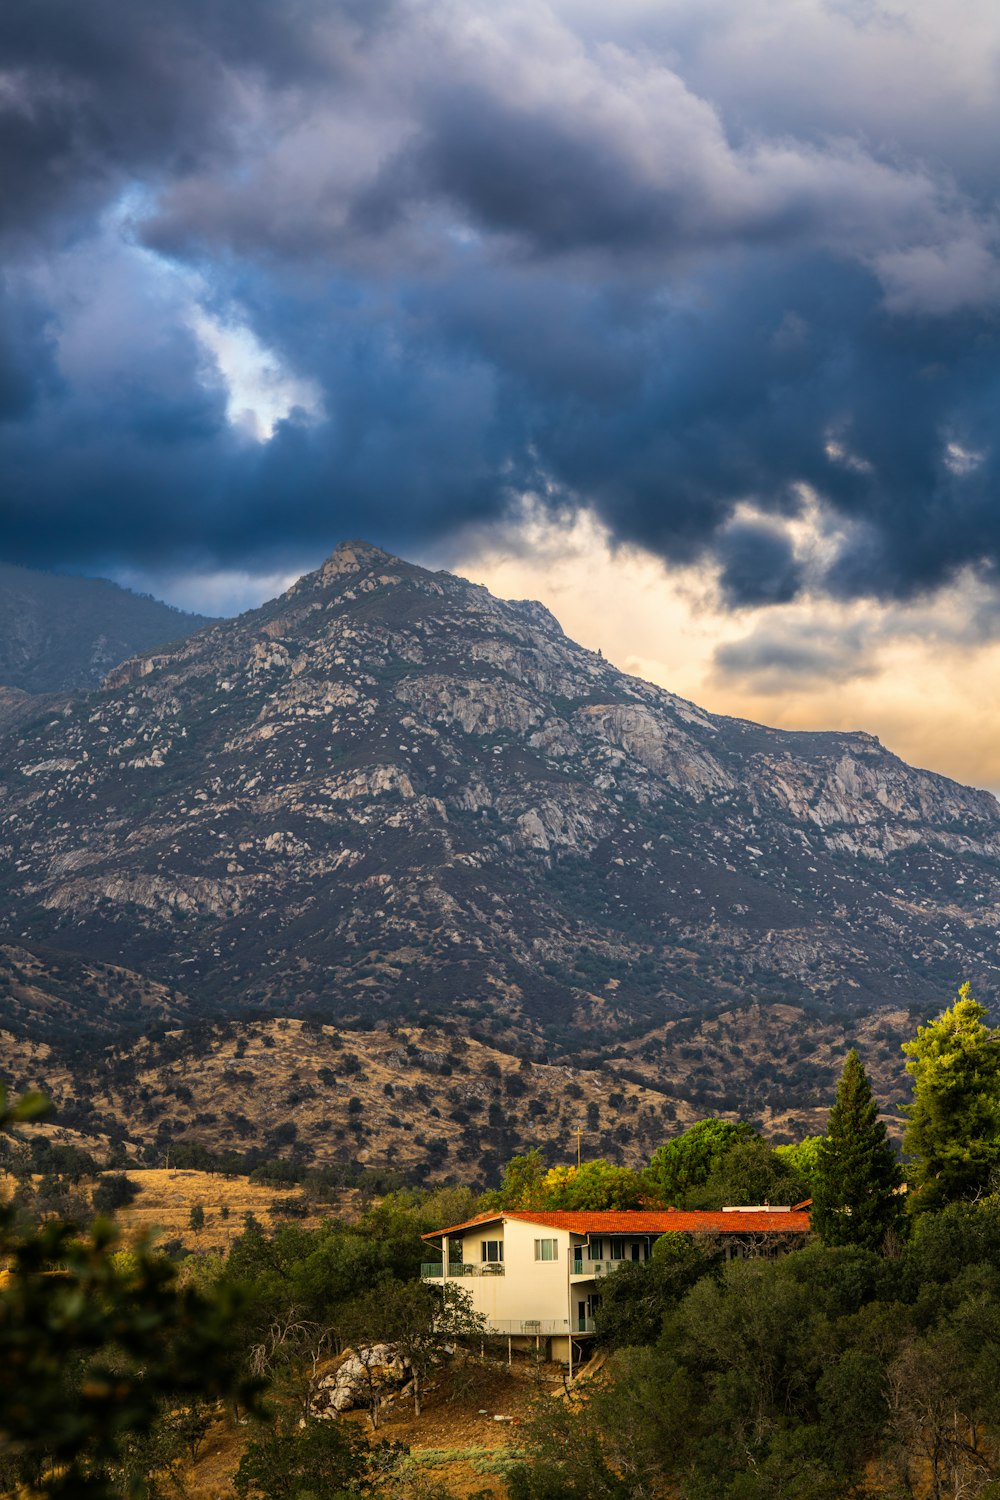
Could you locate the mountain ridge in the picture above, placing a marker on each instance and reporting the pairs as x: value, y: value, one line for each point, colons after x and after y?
x: 387, y: 797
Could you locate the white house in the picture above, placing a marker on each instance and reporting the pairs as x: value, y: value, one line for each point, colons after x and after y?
x: 536, y: 1274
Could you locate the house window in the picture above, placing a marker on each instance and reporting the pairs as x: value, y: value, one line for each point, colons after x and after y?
x: 546, y: 1249
x: 491, y: 1250
x: 617, y: 1250
x: 594, y: 1250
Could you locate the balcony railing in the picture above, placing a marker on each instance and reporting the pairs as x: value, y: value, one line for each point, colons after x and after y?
x: 581, y: 1267
x: 434, y: 1269
x: 540, y: 1327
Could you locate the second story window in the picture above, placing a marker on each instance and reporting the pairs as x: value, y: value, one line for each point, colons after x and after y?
x: 491, y: 1250
x: 545, y: 1249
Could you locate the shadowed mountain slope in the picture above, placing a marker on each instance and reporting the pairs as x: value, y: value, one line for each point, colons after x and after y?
x: 58, y: 634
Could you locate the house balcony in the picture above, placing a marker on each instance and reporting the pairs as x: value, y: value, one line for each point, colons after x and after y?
x: 434, y: 1270
x: 539, y: 1327
x: 581, y: 1269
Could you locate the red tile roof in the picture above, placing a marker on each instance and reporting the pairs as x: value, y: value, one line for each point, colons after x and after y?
x: 646, y: 1221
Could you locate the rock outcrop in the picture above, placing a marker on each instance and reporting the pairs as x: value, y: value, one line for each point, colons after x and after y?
x: 373, y: 1371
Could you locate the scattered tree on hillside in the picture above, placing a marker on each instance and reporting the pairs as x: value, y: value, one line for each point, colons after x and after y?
x: 856, y: 1199
x: 953, y: 1135
x: 114, y: 1191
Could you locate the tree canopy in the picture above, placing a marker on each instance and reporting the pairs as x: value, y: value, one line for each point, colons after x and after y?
x: 856, y: 1197
x: 594, y: 1185
x: 952, y: 1139
x: 687, y: 1161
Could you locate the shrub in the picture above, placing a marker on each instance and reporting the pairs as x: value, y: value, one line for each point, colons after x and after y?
x: 113, y: 1192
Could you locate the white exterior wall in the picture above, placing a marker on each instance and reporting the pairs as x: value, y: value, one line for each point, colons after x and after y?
x: 529, y: 1289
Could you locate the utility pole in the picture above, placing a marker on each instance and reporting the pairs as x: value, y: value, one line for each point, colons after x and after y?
x: 580, y: 1132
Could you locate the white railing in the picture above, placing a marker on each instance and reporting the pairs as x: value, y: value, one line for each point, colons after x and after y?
x: 542, y: 1327
x: 434, y: 1270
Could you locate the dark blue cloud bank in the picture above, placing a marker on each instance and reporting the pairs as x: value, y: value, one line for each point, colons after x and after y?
x: 696, y: 268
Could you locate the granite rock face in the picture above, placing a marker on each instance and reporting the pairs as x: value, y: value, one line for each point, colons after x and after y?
x: 389, y: 796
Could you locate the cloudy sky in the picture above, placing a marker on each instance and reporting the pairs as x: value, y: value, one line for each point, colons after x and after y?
x: 678, y: 314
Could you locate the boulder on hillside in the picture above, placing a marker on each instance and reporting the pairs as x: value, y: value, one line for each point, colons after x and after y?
x: 361, y: 1373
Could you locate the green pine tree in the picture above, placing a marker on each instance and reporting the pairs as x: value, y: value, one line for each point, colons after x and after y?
x: 855, y: 1188
x: 953, y: 1136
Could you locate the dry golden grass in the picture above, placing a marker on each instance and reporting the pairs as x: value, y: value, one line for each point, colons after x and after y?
x: 167, y: 1196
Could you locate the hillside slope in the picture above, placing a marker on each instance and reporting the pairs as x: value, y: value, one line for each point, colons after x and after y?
x: 59, y: 634
x: 429, y: 1102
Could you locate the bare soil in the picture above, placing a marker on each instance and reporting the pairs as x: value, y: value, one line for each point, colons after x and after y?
x: 453, y: 1441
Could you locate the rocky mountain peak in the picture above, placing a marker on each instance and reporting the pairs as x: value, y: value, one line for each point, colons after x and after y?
x: 352, y: 557
x: 389, y: 795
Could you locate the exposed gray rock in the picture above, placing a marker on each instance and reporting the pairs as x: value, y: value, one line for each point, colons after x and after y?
x: 378, y: 1367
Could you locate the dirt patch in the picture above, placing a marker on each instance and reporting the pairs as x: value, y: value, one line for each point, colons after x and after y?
x: 212, y: 1476
x: 455, y: 1441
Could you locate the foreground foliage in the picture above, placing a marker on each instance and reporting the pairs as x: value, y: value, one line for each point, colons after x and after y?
x: 811, y: 1377
x: 92, y: 1348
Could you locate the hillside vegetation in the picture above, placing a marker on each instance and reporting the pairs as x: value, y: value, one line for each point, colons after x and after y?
x: 861, y: 1365
x: 435, y: 1105
x: 61, y: 634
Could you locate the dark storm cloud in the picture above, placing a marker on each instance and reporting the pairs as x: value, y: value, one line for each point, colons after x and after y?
x: 510, y: 251
x: 94, y: 94
x: 773, y: 662
x: 758, y: 566
x: 27, y: 366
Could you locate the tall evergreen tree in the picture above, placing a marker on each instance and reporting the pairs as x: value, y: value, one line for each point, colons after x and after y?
x: 953, y: 1136
x: 855, y: 1187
